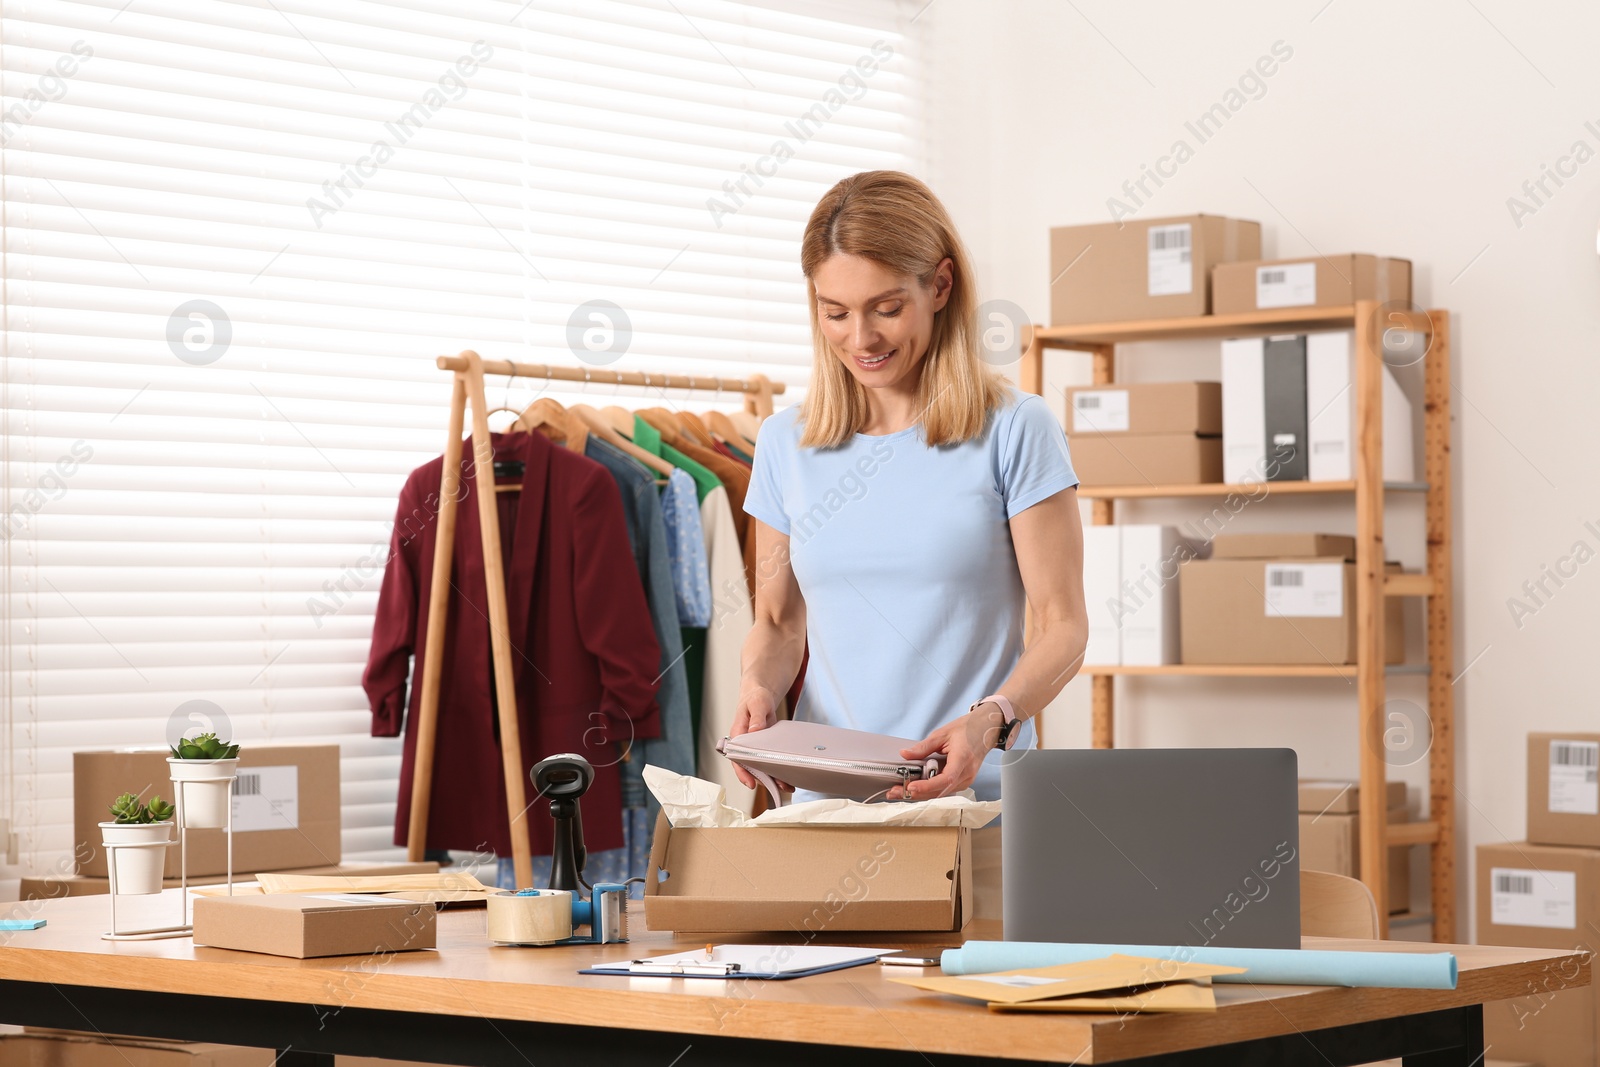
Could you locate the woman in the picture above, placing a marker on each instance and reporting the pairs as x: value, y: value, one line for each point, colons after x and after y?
x: 910, y: 508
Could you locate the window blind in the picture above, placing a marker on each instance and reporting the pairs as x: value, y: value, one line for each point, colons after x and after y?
x: 236, y: 236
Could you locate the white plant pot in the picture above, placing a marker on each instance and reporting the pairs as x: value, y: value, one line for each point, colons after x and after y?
x: 205, y: 804
x: 139, y: 870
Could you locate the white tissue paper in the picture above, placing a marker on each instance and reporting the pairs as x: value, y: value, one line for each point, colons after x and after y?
x: 690, y: 802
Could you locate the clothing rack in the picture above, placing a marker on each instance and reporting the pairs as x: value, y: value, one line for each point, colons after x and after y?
x: 469, y: 369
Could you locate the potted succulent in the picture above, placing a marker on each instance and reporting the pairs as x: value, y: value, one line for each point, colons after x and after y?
x: 204, y: 803
x: 138, y: 870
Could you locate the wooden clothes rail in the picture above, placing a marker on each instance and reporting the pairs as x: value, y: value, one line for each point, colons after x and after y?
x: 469, y: 369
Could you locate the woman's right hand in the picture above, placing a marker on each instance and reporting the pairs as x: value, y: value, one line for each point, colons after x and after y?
x: 758, y: 709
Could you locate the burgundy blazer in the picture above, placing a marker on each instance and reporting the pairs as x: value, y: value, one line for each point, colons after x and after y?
x: 584, y: 650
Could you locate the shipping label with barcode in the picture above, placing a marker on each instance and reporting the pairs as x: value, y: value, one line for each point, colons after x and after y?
x: 1574, y: 781
x: 1533, y: 898
x: 1305, y: 590
x: 266, y: 798
x: 1286, y: 285
x: 1171, y: 260
x: 1100, y: 411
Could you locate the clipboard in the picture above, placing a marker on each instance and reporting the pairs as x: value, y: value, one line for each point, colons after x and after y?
x: 762, y: 962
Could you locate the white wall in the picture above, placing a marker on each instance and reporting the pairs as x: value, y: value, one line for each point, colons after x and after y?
x: 1399, y: 129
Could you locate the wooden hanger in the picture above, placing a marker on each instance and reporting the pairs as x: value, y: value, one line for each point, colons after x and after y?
x: 620, y: 418
x: 596, y: 422
x: 671, y: 431
x: 696, y: 428
x: 721, y: 424
x: 747, y: 424
x: 557, y: 423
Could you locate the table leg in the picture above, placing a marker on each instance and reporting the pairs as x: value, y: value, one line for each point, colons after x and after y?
x: 1469, y: 1053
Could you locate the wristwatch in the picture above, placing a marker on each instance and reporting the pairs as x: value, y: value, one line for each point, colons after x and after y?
x: 1008, y: 731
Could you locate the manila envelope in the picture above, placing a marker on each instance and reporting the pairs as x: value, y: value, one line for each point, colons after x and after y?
x: 1174, y: 996
x: 1066, y: 980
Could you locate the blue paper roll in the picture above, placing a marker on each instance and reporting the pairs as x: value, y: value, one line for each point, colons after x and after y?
x: 1265, y: 966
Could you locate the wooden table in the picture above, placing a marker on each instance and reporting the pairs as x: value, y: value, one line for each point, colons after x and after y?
x: 471, y: 1003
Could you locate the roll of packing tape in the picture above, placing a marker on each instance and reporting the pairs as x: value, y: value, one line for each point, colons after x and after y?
x: 539, y: 917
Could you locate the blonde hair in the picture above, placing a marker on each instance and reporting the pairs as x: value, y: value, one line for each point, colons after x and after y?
x: 895, y: 220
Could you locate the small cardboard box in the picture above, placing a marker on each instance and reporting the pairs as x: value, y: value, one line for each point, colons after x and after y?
x: 49, y: 887
x: 1333, y: 843
x: 1243, y: 611
x: 1283, y: 546
x: 1563, y: 790
x: 1146, y: 407
x: 1142, y: 268
x: 1145, y: 458
x: 1327, y: 796
x: 808, y: 880
x: 1538, y: 896
x: 1542, y: 896
x: 287, y: 816
x: 1310, y: 281
x: 308, y: 925
x: 62, y: 1048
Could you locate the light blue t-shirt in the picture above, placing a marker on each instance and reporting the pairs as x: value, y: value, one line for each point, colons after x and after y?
x: 903, y: 553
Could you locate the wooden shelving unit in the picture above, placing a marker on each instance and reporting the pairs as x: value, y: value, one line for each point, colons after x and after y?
x: 1369, y: 672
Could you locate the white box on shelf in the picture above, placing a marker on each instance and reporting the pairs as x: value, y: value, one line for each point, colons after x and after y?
x: 1244, y: 424
x: 1330, y: 402
x: 1147, y: 603
x: 1102, y: 574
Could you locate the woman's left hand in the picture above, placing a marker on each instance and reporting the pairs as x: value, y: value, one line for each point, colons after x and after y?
x: 963, y: 745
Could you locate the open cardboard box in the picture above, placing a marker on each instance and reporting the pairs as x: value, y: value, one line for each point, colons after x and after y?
x: 809, y: 879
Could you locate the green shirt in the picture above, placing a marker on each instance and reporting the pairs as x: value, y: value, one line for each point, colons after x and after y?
x: 648, y: 438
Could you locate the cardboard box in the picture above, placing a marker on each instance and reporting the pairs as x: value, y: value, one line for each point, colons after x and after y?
x: 1147, y: 594
x: 62, y: 1048
x: 1333, y: 843
x: 1147, y: 407
x: 290, y: 819
x: 309, y: 925
x: 1276, y: 611
x: 1146, y: 458
x: 1542, y: 896
x: 1283, y: 546
x: 1563, y: 791
x: 1549, y: 1027
x: 1142, y: 268
x: 50, y: 887
x: 808, y: 880
x: 1309, y: 281
x: 1326, y: 796
x: 1538, y: 896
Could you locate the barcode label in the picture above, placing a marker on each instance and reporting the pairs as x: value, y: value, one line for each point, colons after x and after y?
x: 1575, y: 753
x: 1305, y: 590
x: 1574, y: 777
x: 1513, y: 883
x: 1170, y: 263
x: 1289, y: 285
x: 1100, y: 411
x: 1165, y: 237
x: 267, y: 798
x: 1521, y: 897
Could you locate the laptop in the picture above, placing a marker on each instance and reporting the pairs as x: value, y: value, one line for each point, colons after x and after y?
x: 1195, y: 846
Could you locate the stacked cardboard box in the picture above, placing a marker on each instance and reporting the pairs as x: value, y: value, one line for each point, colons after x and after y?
x: 1277, y: 598
x: 1330, y: 835
x: 1545, y: 893
x: 1154, y: 433
x: 1312, y: 281
x: 1142, y: 269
